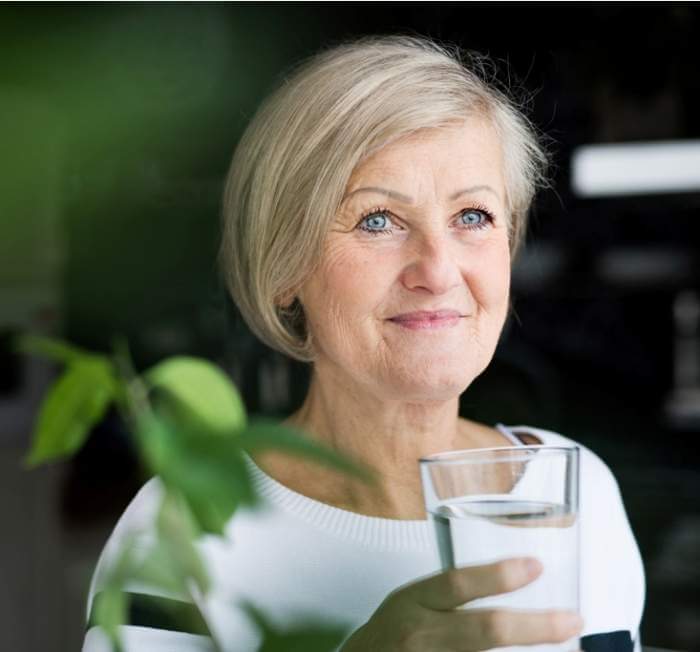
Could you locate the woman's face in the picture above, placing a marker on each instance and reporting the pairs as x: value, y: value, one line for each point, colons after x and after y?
x: 411, y: 293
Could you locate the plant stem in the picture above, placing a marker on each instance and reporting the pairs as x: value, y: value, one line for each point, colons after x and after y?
x: 196, y: 601
x: 133, y: 404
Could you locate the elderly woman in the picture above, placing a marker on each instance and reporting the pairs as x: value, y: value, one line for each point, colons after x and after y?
x: 371, y: 214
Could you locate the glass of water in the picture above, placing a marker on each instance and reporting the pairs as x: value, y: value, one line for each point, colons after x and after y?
x: 488, y: 504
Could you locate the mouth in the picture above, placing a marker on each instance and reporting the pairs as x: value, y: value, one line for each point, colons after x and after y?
x: 427, y: 320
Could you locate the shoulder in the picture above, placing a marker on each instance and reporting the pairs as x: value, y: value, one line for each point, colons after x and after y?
x: 596, y: 472
x: 599, y: 489
x: 138, y: 518
x: 139, y: 514
x: 157, y: 618
x: 136, y: 522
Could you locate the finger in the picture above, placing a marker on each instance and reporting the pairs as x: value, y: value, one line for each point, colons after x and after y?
x: 454, y: 587
x: 489, y: 628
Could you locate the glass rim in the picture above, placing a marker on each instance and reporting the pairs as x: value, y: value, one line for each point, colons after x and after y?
x: 462, y: 455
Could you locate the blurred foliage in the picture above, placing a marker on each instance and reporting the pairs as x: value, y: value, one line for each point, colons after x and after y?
x: 75, y: 402
x: 190, y: 428
x: 78, y: 400
x: 303, y: 638
x: 117, y: 123
x: 202, y: 394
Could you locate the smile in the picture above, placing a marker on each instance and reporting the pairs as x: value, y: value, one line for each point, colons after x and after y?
x: 425, y: 320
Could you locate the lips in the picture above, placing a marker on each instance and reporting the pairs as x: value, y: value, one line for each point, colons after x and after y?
x: 427, y: 319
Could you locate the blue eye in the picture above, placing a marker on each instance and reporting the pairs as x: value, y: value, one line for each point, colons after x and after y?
x: 474, y: 218
x: 376, y: 222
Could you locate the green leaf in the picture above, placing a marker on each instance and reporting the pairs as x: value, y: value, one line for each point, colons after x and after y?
x: 154, y: 568
x: 73, y: 405
x: 110, y: 607
x: 207, y: 469
x: 313, y: 638
x: 212, y: 475
x: 176, y: 535
x: 305, y: 637
x: 264, y: 434
x: 110, y: 612
x: 206, y: 399
x: 52, y: 348
x: 156, y: 571
x: 156, y: 442
x: 121, y: 570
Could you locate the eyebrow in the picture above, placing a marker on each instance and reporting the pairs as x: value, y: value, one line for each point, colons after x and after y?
x: 392, y: 194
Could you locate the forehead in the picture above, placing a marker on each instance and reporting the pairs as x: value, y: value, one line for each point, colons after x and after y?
x: 468, y: 152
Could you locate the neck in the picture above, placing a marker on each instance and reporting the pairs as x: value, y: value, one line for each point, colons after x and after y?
x: 388, y: 436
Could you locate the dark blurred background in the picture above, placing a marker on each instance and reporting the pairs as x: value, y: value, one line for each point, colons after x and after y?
x: 117, y: 123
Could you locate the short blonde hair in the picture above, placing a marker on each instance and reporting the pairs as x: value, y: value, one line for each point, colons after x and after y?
x: 292, y: 165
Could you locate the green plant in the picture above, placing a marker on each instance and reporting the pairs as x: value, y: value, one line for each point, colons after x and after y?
x: 190, y: 428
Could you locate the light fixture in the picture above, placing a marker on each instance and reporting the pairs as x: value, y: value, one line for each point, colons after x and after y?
x: 643, y: 168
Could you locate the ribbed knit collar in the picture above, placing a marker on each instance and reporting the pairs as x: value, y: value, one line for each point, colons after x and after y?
x: 387, y: 534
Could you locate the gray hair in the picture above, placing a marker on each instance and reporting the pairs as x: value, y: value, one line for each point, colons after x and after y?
x: 292, y: 165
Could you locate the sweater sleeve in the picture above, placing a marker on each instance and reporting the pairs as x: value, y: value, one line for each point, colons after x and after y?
x: 138, y: 639
x: 612, y: 585
x: 154, y: 621
x: 612, y: 574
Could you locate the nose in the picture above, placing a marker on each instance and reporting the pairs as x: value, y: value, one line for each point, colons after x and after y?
x: 433, y: 266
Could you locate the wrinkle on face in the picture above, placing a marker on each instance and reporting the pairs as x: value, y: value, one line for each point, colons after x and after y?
x: 382, y: 393
x: 363, y: 279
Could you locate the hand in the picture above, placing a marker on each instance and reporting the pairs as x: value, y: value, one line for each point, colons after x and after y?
x: 422, y: 616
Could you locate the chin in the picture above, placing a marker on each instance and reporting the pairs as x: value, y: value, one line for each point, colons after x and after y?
x: 433, y: 382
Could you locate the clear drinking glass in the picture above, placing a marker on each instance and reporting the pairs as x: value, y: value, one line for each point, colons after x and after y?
x: 495, y: 503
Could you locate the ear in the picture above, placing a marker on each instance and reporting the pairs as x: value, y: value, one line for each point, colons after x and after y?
x: 286, y: 300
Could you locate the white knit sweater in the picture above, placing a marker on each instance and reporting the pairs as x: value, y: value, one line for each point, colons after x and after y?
x: 298, y: 559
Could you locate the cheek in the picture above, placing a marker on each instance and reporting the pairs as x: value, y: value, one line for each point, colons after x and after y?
x: 493, y: 284
x: 345, y: 294
x: 353, y: 280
